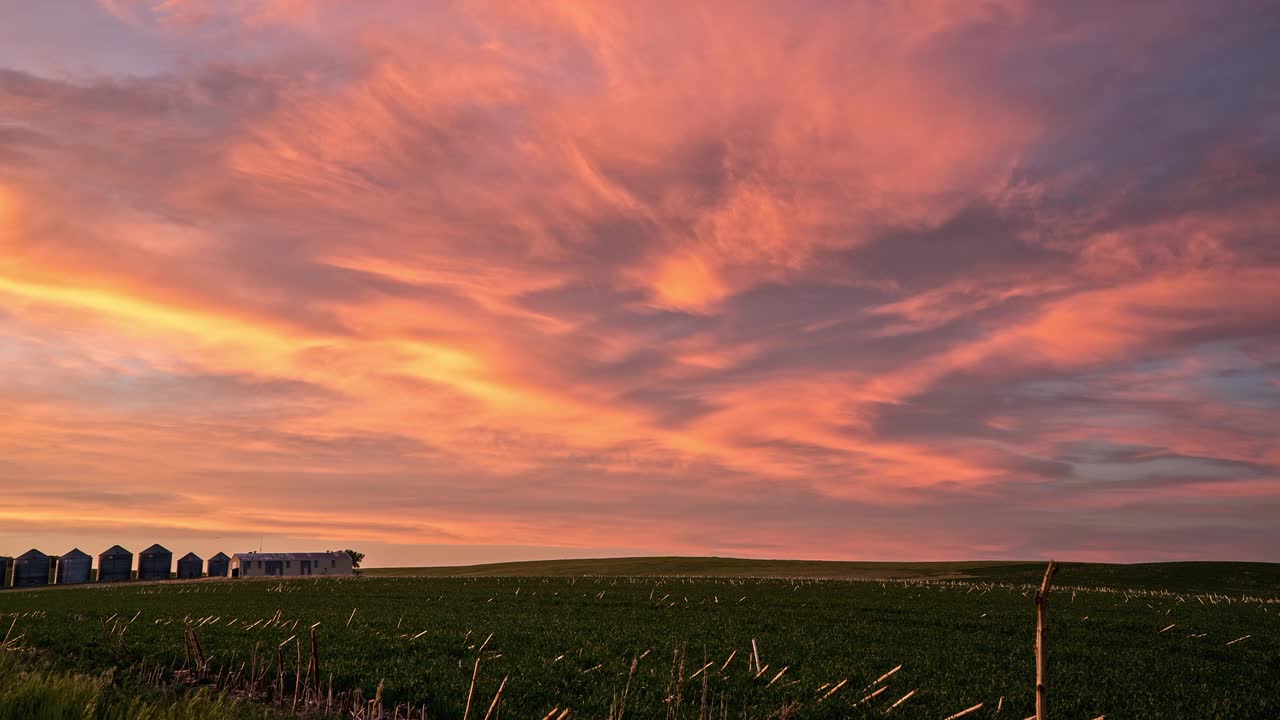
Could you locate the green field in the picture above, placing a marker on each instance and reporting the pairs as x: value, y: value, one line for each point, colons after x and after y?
x: 1222, y: 577
x: 567, y: 635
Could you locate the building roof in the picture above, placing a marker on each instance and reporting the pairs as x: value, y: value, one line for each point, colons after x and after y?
x: 157, y: 549
x: 77, y: 554
x: 32, y: 554
x: 116, y: 550
x: 288, y: 556
x: 189, y: 556
x: 220, y: 556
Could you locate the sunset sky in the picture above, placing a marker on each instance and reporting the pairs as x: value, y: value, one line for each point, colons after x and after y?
x: 460, y: 281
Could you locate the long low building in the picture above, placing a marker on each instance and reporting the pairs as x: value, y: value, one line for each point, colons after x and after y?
x: 257, y: 564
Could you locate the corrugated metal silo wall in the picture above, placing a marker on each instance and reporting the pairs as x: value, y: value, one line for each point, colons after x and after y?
x: 115, y: 568
x: 30, y: 572
x: 73, y: 571
x: 155, y: 567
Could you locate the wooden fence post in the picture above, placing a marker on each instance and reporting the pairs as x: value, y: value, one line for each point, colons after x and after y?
x: 1042, y: 632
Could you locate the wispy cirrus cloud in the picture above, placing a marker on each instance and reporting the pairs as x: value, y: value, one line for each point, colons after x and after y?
x: 739, y: 278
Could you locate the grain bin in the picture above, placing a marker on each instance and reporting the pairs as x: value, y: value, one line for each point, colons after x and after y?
x: 74, y: 568
x: 155, y: 563
x: 115, y: 564
x: 218, y: 565
x: 30, y: 569
x: 190, y: 566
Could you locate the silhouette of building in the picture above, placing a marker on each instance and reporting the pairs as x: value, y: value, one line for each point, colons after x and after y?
x: 190, y: 566
x: 74, y: 568
x: 115, y: 564
x: 219, y: 565
x: 6, y: 564
x: 155, y: 563
x: 290, y: 564
x: 30, y: 569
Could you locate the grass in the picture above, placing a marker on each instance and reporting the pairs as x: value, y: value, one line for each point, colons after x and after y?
x: 570, y: 641
x: 31, y: 690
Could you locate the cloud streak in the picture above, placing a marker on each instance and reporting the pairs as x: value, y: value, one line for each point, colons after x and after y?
x: 734, y: 279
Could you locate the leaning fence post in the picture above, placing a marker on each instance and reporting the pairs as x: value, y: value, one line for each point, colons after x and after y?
x: 1042, y: 632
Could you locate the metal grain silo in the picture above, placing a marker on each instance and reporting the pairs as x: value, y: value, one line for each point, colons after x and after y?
x: 30, y: 569
x: 190, y: 566
x: 155, y: 563
x: 6, y: 563
x: 115, y: 564
x: 218, y: 565
x: 74, y: 568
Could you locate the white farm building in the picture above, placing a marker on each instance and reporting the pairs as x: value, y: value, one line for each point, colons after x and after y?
x: 258, y: 564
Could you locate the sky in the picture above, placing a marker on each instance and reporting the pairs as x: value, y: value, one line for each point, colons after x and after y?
x: 470, y: 280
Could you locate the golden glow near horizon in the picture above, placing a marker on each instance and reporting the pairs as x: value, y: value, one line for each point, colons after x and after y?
x: 476, y: 278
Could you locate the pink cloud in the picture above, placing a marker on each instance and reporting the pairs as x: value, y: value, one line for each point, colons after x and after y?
x: 740, y: 279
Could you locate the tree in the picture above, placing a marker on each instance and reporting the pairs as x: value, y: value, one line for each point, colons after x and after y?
x: 356, y: 557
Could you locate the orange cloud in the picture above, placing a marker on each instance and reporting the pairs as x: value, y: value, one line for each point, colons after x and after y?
x: 741, y: 279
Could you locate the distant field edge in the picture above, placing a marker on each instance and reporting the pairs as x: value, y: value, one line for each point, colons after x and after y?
x: 674, y: 566
x: 1198, y: 576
